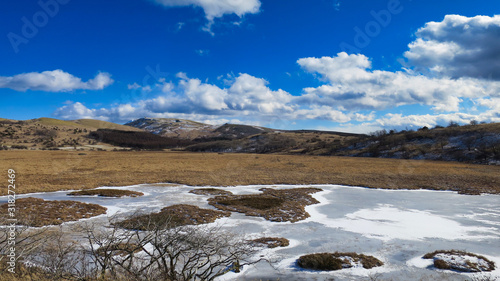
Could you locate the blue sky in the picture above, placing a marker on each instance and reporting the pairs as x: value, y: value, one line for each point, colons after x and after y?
x: 347, y: 65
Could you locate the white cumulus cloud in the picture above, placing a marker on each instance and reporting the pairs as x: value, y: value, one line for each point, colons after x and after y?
x: 217, y: 8
x: 54, y: 81
x: 352, y: 85
x: 457, y: 47
x: 251, y: 93
x: 246, y: 98
x: 452, y: 68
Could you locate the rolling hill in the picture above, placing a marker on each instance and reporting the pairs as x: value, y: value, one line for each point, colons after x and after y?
x: 170, y: 127
x: 238, y: 137
x: 474, y: 143
x: 98, y: 124
x: 50, y: 133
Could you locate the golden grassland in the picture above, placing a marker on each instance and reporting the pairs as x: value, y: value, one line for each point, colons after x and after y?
x: 38, y: 171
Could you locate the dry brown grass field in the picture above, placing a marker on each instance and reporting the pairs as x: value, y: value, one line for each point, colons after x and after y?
x: 38, y: 171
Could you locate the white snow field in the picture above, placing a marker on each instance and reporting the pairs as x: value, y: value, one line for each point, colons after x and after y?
x: 396, y: 226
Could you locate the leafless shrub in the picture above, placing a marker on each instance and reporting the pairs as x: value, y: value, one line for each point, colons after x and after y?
x: 104, y: 251
x: 26, y: 240
x: 166, y: 253
x: 57, y: 256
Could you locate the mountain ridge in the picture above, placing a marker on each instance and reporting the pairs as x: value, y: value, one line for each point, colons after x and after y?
x: 173, y: 127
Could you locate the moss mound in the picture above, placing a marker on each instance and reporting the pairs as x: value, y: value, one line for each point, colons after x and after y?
x: 106, y: 193
x: 337, y: 261
x: 320, y: 261
x: 38, y: 212
x: 173, y: 216
x: 258, y: 202
x: 272, y: 242
x: 210, y: 191
x: 272, y: 204
x: 460, y: 261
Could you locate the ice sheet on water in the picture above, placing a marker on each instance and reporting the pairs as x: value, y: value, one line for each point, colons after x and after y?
x: 394, y: 226
x: 388, y: 222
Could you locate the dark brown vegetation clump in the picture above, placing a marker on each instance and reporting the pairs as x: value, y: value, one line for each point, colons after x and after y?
x: 210, y: 191
x: 367, y: 261
x: 337, y: 261
x: 272, y: 242
x: 173, y: 216
x: 470, y: 191
x: 258, y: 202
x: 140, y: 140
x: 441, y: 264
x: 272, y: 204
x: 320, y: 261
x: 107, y: 193
x: 38, y: 212
x: 460, y: 261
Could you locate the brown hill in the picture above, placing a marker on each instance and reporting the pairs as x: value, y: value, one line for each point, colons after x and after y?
x: 50, y: 133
